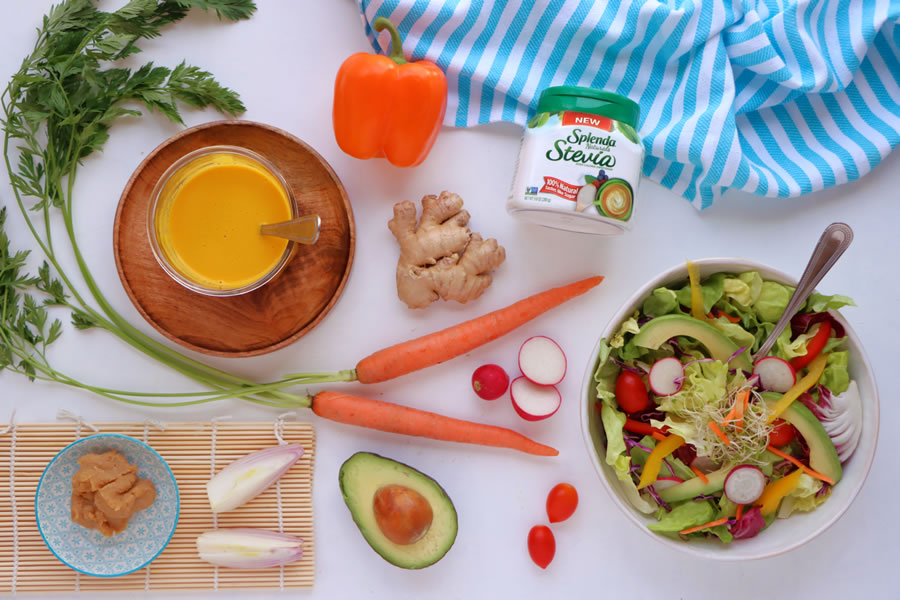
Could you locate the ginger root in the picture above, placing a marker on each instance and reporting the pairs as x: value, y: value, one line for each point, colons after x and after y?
x: 441, y: 258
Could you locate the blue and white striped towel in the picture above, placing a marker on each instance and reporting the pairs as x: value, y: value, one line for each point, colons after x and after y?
x: 774, y: 97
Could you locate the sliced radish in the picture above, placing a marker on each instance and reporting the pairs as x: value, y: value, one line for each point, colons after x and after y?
x: 663, y: 483
x: 745, y: 484
x: 775, y: 374
x: 666, y: 376
x: 534, y: 402
x: 542, y: 361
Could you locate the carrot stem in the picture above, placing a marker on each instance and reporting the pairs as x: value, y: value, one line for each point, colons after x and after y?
x: 719, y: 432
x: 394, y: 418
x: 715, y: 523
x: 443, y: 345
x: 799, y: 464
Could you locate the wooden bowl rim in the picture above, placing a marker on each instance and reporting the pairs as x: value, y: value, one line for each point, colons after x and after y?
x: 300, y: 332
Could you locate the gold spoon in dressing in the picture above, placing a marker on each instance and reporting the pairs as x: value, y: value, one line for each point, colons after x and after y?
x: 304, y: 230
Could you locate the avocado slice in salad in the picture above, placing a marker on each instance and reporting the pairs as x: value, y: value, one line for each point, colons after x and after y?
x: 823, y: 456
x: 720, y: 347
x: 695, y: 487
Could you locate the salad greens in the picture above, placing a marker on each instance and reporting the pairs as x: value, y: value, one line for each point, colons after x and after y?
x: 744, y: 308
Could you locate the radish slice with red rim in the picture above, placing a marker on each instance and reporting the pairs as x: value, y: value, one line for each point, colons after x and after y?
x: 745, y: 484
x: 542, y: 361
x: 534, y: 402
x: 666, y: 376
x: 775, y: 374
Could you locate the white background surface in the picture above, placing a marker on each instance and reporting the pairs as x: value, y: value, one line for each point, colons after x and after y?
x: 283, y: 63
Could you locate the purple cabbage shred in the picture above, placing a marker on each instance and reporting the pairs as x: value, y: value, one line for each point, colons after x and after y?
x: 802, y: 323
x: 657, y: 498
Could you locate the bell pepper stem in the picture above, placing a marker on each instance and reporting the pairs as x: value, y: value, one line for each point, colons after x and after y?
x: 396, y: 55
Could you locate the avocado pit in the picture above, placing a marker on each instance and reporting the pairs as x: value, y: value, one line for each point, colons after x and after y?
x: 403, y: 515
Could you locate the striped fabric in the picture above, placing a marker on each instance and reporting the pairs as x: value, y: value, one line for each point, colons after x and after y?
x: 774, y: 97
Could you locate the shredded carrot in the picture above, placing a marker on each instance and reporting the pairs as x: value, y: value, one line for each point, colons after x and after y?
x: 719, y: 313
x: 700, y: 474
x: 658, y: 435
x: 719, y: 432
x: 736, y: 414
x: 799, y: 464
x: 721, y: 521
x: 740, y: 512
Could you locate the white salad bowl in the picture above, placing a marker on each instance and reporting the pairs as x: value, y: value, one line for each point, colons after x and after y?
x: 785, y: 534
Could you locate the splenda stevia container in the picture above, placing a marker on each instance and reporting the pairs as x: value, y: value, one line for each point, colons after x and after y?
x: 579, y: 163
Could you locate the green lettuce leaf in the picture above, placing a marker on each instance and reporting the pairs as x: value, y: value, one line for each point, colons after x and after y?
x: 743, y: 290
x: 773, y: 299
x: 661, y: 302
x: 736, y: 333
x: 820, y: 303
x: 836, y: 376
x: 712, y: 288
x: 688, y: 514
x: 803, y: 497
x: 629, y: 326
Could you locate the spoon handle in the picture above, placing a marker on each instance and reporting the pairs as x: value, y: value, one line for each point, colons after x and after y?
x: 304, y: 230
x: 832, y: 244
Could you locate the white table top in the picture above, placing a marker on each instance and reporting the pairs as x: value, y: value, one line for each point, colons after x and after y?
x: 283, y: 63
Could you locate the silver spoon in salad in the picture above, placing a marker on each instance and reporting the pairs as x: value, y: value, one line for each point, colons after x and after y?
x: 835, y: 239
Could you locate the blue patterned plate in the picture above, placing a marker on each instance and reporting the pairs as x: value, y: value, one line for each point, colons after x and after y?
x: 87, y: 550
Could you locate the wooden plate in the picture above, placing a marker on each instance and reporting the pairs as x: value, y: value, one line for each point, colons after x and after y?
x: 276, y: 314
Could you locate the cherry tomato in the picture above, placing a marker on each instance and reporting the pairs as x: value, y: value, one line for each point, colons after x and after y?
x: 541, y: 545
x: 813, y: 347
x: 631, y: 393
x: 783, y: 433
x: 561, y: 502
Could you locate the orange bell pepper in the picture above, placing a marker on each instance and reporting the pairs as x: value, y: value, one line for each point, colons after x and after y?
x: 388, y: 107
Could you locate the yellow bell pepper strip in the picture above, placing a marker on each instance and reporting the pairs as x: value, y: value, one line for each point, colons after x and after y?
x: 388, y: 107
x: 816, y: 368
x: 776, y: 490
x: 654, y: 462
x: 696, y: 293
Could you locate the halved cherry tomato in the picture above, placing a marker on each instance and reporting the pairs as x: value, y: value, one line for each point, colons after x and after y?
x: 631, y: 393
x: 783, y: 433
x: 813, y: 346
x: 541, y: 545
x: 561, y: 502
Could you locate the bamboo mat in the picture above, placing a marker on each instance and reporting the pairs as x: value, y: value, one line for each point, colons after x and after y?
x: 193, y: 451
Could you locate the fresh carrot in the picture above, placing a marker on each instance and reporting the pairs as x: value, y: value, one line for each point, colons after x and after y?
x: 443, y: 345
x: 740, y: 512
x: 715, y: 523
x: 799, y: 464
x: 394, y: 418
x: 719, y: 432
x: 658, y: 435
x: 700, y: 474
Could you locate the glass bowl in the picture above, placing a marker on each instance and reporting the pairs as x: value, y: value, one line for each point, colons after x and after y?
x: 164, y: 196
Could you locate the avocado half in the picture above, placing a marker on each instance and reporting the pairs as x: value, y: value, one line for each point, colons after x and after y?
x: 363, y: 474
x: 615, y: 199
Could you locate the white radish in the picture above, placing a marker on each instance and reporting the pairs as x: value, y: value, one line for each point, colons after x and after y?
x: 775, y: 374
x: 666, y: 376
x: 534, y: 402
x: 745, y: 484
x: 663, y: 483
x: 542, y: 361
